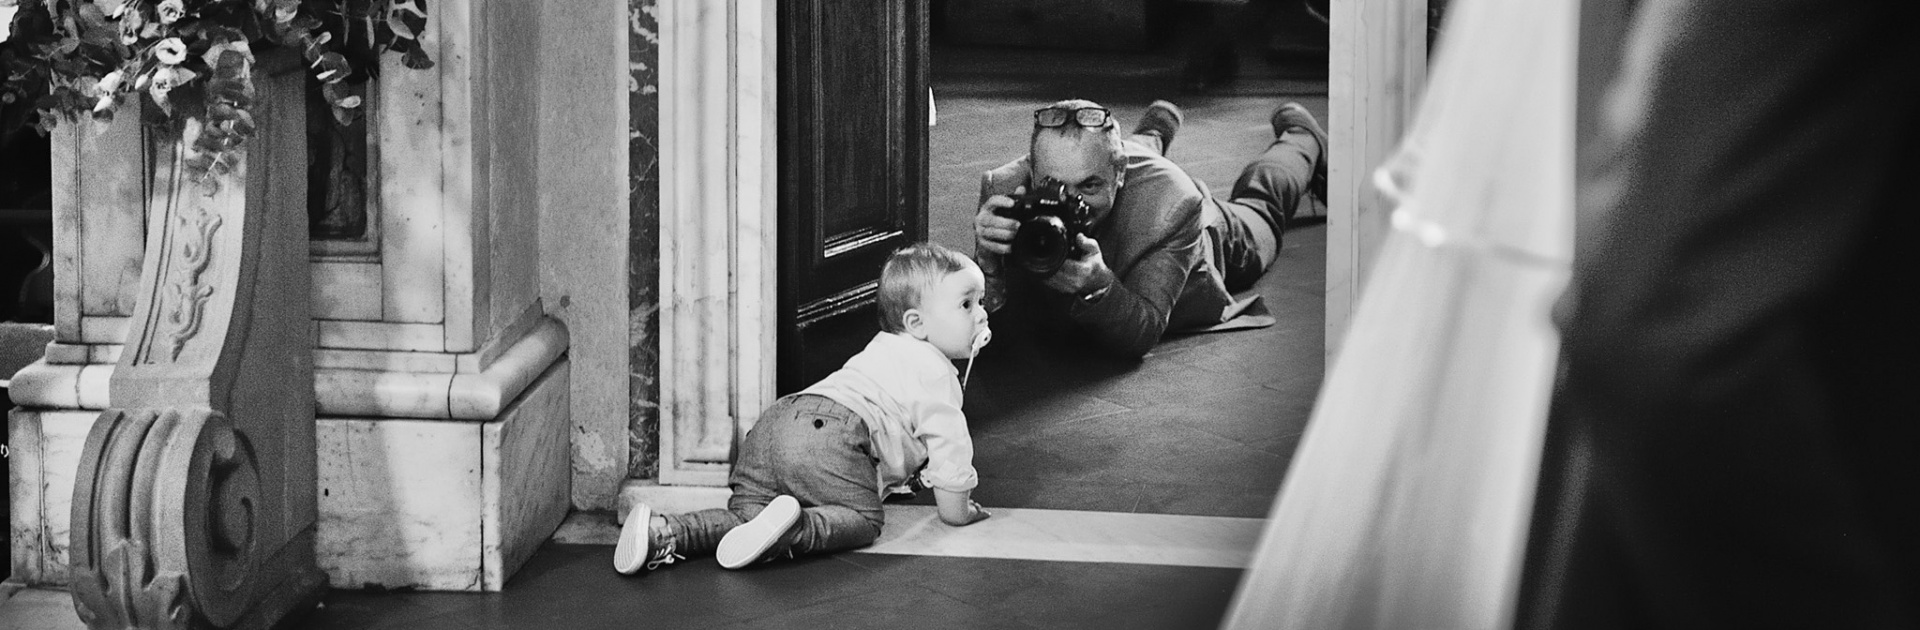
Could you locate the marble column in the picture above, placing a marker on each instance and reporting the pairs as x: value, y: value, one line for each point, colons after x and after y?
x: 718, y: 243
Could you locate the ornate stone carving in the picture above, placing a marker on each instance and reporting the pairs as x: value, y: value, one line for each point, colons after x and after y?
x: 176, y: 524
x: 187, y: 293
x: 136, y: 594
x: 164, y: 529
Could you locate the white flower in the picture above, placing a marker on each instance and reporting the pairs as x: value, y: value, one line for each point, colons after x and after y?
x: 111, y: 82
x: 165, y: 79
x: 112, y: 8
x: 169, y: 77
x: 105, y: 103
x: 171, y: 11
x: 170, y: 51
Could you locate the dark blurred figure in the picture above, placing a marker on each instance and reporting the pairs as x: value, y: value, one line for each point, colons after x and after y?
x: 1290, y: 34
x: 1736, y: 439
x: 1436, y: 13
x: 26, y: 217
x: 26, y: 223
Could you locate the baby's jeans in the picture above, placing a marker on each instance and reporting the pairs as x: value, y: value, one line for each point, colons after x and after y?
x: 810, y: 447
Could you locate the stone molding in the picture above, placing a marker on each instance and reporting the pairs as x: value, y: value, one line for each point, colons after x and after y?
x: 718, y: 236
x: 477, y: 396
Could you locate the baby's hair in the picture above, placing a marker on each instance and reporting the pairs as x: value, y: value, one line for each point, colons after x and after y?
x: 909, y: 273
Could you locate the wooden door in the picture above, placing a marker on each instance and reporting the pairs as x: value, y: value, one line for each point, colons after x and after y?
x: 853, y: 170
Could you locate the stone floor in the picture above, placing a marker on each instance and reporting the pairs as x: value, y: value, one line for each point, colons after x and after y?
x: 1184, y: 449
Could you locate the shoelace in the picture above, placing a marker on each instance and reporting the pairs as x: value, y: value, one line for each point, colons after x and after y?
x: 664, y: 555
x: 665, y: 552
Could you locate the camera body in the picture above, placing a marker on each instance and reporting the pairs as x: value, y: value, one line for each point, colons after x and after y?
x: 1051, y: 221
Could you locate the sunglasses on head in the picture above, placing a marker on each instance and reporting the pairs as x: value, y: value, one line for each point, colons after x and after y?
x: 1089, y: 117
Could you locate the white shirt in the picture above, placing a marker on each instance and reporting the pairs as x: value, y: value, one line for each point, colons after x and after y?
x: 909, y: 395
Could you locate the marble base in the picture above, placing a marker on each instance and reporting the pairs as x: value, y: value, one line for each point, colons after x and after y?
x: 427, y: 504
x: 37, y: 608
x: 45, y: 453
x: 444, y: 506
x: 668, y: 499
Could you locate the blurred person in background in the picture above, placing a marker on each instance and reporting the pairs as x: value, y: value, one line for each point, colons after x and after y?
x: 1736, y: 439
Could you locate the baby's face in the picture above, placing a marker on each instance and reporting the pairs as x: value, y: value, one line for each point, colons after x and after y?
x: 951, y: 313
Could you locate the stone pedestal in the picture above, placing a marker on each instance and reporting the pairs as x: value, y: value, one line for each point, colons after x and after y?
x: 434, y: 503
x: 439, y: 379
x: 408, y: 502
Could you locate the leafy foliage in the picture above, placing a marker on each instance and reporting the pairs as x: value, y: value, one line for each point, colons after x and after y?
x: 192, y: 59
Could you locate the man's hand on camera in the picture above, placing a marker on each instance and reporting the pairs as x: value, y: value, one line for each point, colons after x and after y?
x: 993, y: 233
x: 1084, y: 275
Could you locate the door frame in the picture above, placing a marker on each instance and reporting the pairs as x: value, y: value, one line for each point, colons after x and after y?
x: 719, y: 244
x: 1376, y: 74
x: 718, y: 111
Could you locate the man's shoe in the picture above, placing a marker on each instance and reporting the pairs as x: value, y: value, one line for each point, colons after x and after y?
x: 641, y: 546
x: 1161, y: 119
x: 746, y: 543
x: 1294, y: 116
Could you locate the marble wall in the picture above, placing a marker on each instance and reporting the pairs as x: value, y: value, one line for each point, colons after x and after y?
x: 643, y: 293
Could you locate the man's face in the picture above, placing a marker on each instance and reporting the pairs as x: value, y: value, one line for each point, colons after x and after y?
x: 1083, y: 164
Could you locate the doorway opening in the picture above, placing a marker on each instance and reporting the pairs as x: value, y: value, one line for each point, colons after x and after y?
x: 1206, y: 424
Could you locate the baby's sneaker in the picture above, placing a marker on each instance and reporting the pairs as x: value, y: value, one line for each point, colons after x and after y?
x: 641, y: 545
x: 746, y: 543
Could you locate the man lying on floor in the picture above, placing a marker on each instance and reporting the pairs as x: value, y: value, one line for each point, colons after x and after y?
x: 1140, y: 247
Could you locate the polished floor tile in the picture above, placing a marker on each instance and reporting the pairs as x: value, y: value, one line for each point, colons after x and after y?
x: 1071, y: 594
x: 572, y: 586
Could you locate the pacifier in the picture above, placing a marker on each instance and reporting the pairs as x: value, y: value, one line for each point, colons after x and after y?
x: 981, y: 338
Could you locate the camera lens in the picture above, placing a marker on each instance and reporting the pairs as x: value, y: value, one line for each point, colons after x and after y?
x: 1040, y: 246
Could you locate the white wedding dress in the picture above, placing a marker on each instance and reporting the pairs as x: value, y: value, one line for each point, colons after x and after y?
x: 1408, y: 501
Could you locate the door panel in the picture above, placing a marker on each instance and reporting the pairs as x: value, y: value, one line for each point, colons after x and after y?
x: 853, y: 162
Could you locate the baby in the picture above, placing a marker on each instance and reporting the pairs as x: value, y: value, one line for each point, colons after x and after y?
x: 810, y: 475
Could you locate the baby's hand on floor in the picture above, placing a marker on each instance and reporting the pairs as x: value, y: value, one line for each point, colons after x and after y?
x: 958, y: 509
x: 975, y: 513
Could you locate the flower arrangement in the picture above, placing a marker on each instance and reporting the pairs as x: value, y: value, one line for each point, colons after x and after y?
x: 192, y: 59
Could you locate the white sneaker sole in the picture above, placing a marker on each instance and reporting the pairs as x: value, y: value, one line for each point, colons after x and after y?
x: 744, y: 544
x: 630, y: 554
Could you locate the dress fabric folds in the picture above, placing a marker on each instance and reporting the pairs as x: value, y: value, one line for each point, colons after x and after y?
x: 1408, y: 501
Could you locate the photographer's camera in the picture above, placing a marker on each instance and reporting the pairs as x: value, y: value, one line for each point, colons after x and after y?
x: 1051, y: 221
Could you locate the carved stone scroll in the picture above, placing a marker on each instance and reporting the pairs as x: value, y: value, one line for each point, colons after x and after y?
x: 194, y: 503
